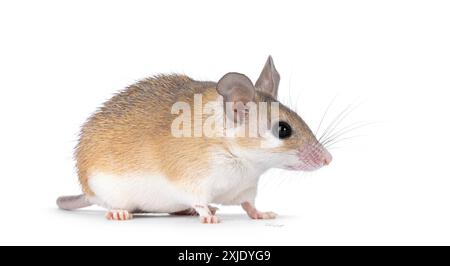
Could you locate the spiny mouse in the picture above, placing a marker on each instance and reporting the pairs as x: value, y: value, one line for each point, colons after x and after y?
x: 158, y: 147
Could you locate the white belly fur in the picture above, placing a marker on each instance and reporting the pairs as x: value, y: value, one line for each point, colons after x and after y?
x: 155, y: 193
x: 149, y: 193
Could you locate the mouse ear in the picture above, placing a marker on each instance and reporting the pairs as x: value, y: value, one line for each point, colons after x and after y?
x: 268, y: 79
x: 236, y: 89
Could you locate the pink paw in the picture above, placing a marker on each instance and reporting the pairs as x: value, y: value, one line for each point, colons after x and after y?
x: 210, y: 219
x: 119, y: 215
x: 262, y: 215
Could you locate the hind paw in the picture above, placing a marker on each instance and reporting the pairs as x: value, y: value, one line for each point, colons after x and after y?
x: 119, y: 215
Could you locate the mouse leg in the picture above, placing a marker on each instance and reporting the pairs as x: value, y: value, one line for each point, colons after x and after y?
x: 187, y: 212
x: 213, y: 209
x: 119, y: 215
x: 247, y: 201
x: 253, y: 213
x: 206, y: 216
x: 193, y: 212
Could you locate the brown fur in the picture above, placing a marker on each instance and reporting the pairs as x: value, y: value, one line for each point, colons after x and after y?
x: 131, y: 132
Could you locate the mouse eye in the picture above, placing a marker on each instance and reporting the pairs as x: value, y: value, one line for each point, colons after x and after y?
x: 282, y: 130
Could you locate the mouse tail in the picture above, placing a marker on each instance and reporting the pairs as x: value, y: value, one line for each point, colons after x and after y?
x: 73, y: 202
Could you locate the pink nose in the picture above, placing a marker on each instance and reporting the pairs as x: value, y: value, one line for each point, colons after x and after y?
x: 327, y: 158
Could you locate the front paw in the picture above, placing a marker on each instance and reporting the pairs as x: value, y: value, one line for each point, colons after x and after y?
x: 209, y: 219
x: 262, y: 215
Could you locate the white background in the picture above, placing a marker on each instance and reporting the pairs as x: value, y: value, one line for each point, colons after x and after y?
x: 59, y: 60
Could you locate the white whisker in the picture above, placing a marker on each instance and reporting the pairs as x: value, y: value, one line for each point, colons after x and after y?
x: 325, y: 113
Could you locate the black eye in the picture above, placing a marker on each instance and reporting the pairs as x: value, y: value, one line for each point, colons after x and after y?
x: 282, y: 130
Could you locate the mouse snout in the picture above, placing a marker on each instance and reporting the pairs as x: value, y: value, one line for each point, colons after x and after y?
x: 327, y: 158
x: 312, y: 157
